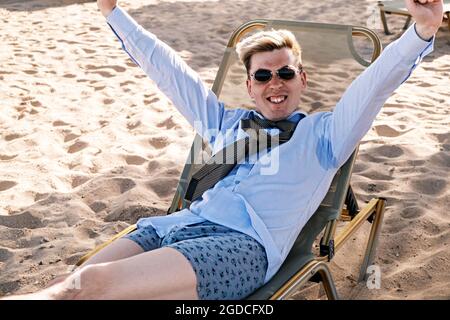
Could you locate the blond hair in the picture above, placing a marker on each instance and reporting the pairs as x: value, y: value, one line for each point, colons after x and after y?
x: 264, y: 41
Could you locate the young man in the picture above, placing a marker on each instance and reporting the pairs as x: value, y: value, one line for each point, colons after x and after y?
x: 237, y: 232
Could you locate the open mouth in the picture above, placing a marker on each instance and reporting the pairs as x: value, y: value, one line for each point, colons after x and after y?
x: 277, y: 99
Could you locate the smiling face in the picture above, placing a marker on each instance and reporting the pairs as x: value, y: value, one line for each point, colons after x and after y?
x: 275, y: 99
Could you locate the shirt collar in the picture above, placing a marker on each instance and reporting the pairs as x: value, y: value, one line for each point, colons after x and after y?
x: 295, y: 116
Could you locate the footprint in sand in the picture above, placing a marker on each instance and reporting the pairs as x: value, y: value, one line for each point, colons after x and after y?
x: 429, y: 186
x: 97, y: 206
x: 106, y: 188
x: 122, y: 84
x: 148, y: 102
x: 135, y: 160
x: 124, y: 184
x: 442, y: 137
x: 83, y: 232
x: 103, y: 123
x: 387, y: 131
x: 88, y: 50
x: 68, y: 42
x: 104, y: 74
x: 5, y: 185
x: 163, y: 187
x: 360, y: 167
x: 95, y: 69
x: 389, y: 151
x: 59, y: 123
x: 154, y: 166
x: 159, y: 142
x: 39, y: 196
x: 343, y: 75
x: 164, y: 168
x: 5, y: 254
x: 7, y: 157
x: 27, y: 98
x: 22, y: 220
x: 441, y: 159
x: 38, y: 51
x: 77, y: 146
x: 36, y: 103
x: 30, y: 72
x: 108, y: 101
x: 375, y: 175
x: 21, y: 107
x: 133, y: 124
x: 412, y: 212
x: 69, y: 75
x: 26, y: 55
x: 99, y: 88
x: 316, y: 105
x: 117, y: 68
x: 168, y: 123
x: 13, y: 136
x: 79, y: 180
x: 70, y: 136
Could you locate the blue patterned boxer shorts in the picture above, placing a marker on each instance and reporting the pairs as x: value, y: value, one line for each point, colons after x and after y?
x: 228, y: 264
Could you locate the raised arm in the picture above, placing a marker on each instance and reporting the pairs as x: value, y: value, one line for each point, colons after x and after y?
x: 182, y: 85
x: 106, y: 6
x: 428, y: 16
x: 356, y: 110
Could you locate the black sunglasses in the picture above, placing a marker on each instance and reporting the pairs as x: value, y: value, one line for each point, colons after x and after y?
x: 284, y: 73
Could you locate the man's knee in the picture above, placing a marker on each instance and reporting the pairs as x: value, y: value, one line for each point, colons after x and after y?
x: 89, y: 282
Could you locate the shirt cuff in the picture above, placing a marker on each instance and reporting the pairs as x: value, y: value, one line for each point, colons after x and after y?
x: 411, y: 46
x: 121, y: 22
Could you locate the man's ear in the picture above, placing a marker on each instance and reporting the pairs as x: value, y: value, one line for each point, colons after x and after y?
x: 249, y: 88
x: 303, y: 84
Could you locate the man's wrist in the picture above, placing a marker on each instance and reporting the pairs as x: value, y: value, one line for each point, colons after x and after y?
x: 107, y: 12
x: 424, y: 33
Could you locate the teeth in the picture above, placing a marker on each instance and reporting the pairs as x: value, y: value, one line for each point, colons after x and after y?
x: 278, y: 99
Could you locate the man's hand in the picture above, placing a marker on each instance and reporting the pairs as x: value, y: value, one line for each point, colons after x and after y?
x: 428, y: 16
x: 106, y: 6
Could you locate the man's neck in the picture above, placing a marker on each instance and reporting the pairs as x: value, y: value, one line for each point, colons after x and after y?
x: 292, y: 117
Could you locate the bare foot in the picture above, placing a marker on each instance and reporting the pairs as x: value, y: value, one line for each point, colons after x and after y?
x: 63, y: 287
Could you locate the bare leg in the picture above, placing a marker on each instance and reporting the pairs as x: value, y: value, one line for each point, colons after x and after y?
x: 120, y: 249
x: 158, y: 274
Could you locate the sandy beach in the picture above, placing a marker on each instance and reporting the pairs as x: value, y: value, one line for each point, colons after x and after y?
x: 88, y: 144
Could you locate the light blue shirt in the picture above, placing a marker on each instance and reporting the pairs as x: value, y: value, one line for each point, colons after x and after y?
x: 268, y: 202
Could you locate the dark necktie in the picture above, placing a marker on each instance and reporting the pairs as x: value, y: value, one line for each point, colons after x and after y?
x: 221, y: 163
